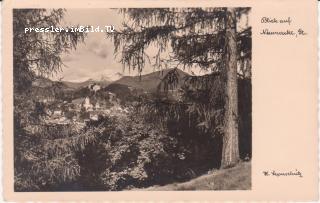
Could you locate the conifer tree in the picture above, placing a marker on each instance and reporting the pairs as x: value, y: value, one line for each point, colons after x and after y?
x: 193, y: 37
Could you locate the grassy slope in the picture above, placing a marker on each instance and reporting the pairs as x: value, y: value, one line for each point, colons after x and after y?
x: 236, y: 178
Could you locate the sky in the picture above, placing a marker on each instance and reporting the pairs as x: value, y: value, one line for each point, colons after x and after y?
x: 95, y: 59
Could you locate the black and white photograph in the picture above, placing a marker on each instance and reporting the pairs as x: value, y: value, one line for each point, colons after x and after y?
x: 132, y: 99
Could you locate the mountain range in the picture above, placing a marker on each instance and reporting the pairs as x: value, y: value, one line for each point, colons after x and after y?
x: 78, y: 85
x: 147, y: 83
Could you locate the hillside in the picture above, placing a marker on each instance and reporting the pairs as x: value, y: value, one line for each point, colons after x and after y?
x: 45, y: 83
x: 122, y: 91
x: 238, y: 178
x: 149, y: 82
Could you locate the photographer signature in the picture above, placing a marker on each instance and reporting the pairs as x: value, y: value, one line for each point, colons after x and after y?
x: 286, y: 173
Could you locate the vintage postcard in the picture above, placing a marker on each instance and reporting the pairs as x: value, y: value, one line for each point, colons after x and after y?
x: 160, y: 100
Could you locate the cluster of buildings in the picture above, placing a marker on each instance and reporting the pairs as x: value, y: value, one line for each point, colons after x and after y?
x: 84, y: 109
x: 78, y: 110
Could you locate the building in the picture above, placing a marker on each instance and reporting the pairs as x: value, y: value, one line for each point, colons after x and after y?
x: 57, y: 113
x: 78, y: 103
x: 97, y: 105
x: 94, y: 87
x: 87, y: 105
x: 94, y: 116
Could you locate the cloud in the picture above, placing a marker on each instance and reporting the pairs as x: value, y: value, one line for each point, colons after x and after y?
x: 102, y: 52
x: 68, y: 58
x: 99, y: 48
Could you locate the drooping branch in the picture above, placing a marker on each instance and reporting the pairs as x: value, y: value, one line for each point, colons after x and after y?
x: 39, y: 53
x: 159, y: 27
x: 195, y: 36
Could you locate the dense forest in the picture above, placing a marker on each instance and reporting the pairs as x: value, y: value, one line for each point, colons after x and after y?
x: 139, y: 131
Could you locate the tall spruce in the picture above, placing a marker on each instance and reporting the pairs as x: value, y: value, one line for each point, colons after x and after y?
x: 189, y: 38
x: 230, y: 151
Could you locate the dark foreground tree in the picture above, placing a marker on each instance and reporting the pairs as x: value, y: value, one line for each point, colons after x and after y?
x: 230, y: 149
x: 193, y: 38
x: 42, y: 155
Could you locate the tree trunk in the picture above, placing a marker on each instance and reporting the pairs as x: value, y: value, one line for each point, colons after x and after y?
x: 230, y: 150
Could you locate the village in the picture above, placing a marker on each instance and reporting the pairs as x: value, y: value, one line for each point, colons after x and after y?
x: 80, y: 110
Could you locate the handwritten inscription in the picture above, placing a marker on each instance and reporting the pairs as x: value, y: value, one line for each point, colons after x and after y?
x: 287, y: 30
x: 275, y: 20
x: 280, y: 174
